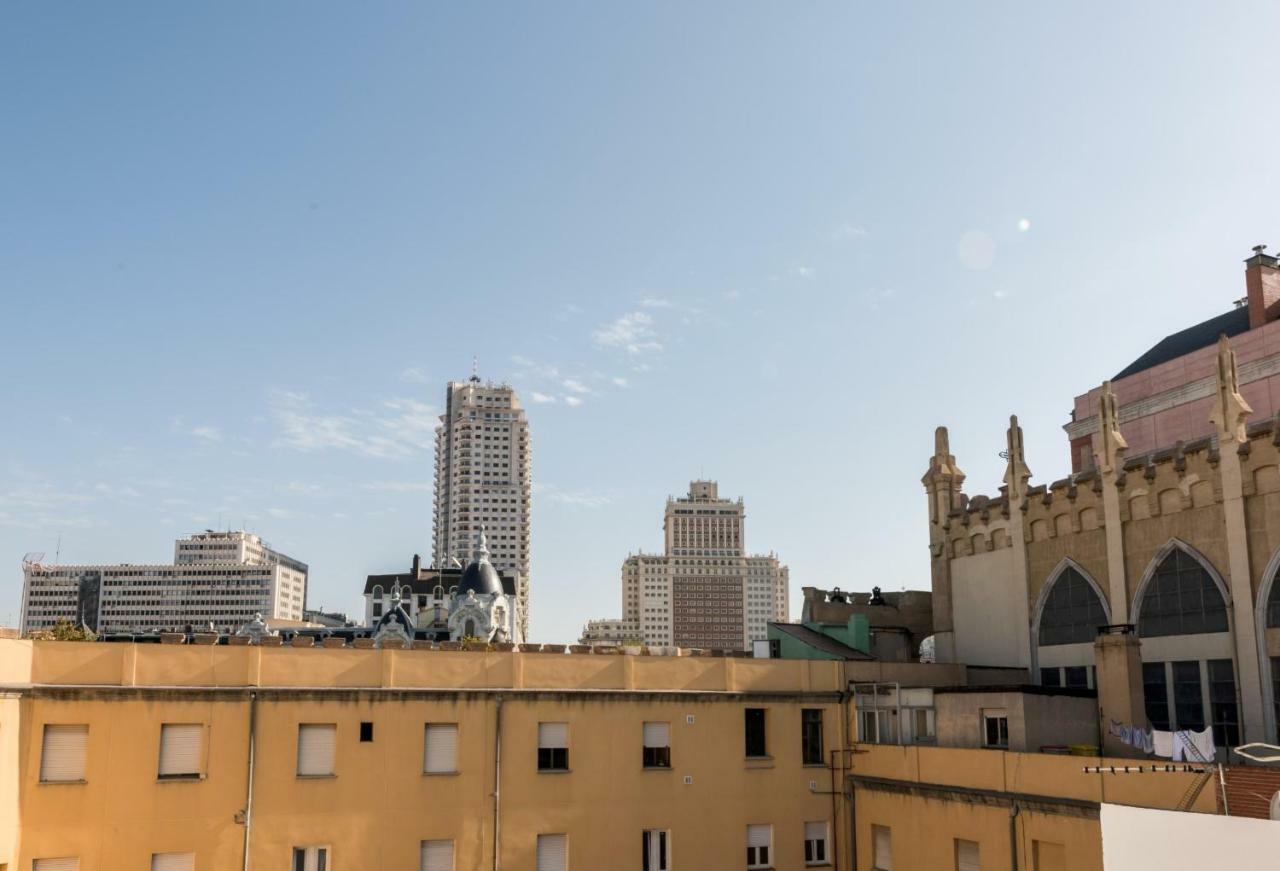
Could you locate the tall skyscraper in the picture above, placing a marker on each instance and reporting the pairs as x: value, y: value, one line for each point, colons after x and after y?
x: 704, y: 590
x: 483, y: 478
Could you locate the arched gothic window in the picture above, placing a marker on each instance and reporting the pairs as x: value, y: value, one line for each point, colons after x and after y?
x: 1181, y: 599
x: 1273, y: 605
x: 470, y: 629
x: 1072, y: 612
x: 377, y: 593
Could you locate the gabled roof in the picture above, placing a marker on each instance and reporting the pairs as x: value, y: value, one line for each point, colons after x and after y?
x: 818, y: 641
x: 1202, y: 335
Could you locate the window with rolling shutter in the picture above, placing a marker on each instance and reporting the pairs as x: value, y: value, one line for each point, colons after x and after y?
x: 759, y: 846
x: 181, y: 750
x: 657, y: 745
x: 310, y: 859
x: 967, y: 855
x: 553, y: 853
x: 437, y: 856
x: 441, y: 753
x: 553, y: 746
x: 173, y: 861
x: 68, y: 864
x: 815, y: 843
x: 315, y: 749
x: 62, y: 756
x: 882, y: 847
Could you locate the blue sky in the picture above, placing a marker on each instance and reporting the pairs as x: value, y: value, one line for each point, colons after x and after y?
x: 244, y: 246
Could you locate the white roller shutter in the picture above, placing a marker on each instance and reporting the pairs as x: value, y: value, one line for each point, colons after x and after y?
x: 71, y: 864
x: 553, y: 736
x: 173, y: 862
x: 553, y: 852
x: 441, y: 754
x: 62, y: 757
x: 180, y: 749
x: 437, y: 856
x: 815, y: 831
x: 315, y: 748
x: 882, y: 860
x: 656, y: 735
x: 967, y: 856
x: 758, y: 836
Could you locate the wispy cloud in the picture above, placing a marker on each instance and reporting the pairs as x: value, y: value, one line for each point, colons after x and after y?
x: 572, y: 401
x: 541, y: 398
x: 569, y: 310
x: 415, y: 375
x: 303, y: 489
x: 280, y: 513
x: 394, y: 429
x: 204, y: 431
x: 848, y: 231
x: 619, y: 381
x: 633, y: 332
x: 805, y: 272
x: 576, y: 386
x: 656, y: 302
x: 732, y: 295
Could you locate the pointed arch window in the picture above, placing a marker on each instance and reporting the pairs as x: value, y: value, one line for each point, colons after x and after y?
x: 1273, y: 604
x: 1072, y: 612
x: 1181, y: 599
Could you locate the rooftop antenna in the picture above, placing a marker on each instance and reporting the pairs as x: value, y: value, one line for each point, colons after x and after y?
x: 57, y: 553
x: 475, y: 369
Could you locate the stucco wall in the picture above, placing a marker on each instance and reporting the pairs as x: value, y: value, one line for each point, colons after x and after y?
x: 985, y: 594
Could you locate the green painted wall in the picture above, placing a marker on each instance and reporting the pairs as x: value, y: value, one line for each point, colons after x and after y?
x: 856, y: 633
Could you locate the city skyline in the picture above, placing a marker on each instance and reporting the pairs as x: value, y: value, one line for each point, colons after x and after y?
x: 767, y: 247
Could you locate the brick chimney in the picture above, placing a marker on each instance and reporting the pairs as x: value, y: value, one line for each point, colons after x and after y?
x: 1262, y: 281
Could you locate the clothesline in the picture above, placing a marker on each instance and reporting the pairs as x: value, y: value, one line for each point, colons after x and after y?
x: 1178, y: 745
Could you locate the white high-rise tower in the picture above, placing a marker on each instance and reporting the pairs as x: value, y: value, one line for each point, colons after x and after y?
x: 483, y: 478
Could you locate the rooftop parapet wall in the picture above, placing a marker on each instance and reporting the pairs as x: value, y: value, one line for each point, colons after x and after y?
x: 60, y: 663
x: 1031, y: 774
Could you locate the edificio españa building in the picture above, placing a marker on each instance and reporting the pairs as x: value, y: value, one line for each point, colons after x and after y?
x: 218, y: 578
x: 703, y: 591
x: 483, y: 479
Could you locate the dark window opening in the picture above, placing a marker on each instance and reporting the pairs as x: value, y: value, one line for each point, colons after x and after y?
x: 657, y: 757
x: 1182, y: 599
x: 1222, y: 703
x: 1188, y: 703
x: 754, y: 721
x: 1077, y: 676
x: 1155, y: 692
x: 366, y: 732
x: 1072, y: 612
x: 1050, y: 677
x: 811, y: 736
x: 553, y: 758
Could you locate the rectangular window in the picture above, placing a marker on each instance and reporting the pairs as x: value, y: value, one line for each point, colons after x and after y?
x: 553, y: 853
x: 754, y: 722
x: 759, y: 846
x: 62, y: 756
x: 553, y: 747
x: 310, y: 859
x: 71, y: 863
x: 181, y: 750
x: 1050, y: 677
x: 657, y: 745
x: 366, y: 733
x: 440, y: 753
x: 1076, y: 676
x: 811, y: 736
x: 881, y: 849
x: 995, y: 726
x: 1155, y: 692
x: 1188, y: 700
x: 923, y: 724
x: 815, y: 843
x: 1275, y: 691
x: 173, y: 861
x: 654, y: 855
x: 437, y: 856
x: 1222, y: 703
x: 967, y: 855
x: 315, y: 749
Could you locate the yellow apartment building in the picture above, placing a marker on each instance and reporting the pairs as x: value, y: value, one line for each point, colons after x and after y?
x: 235, y: 756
